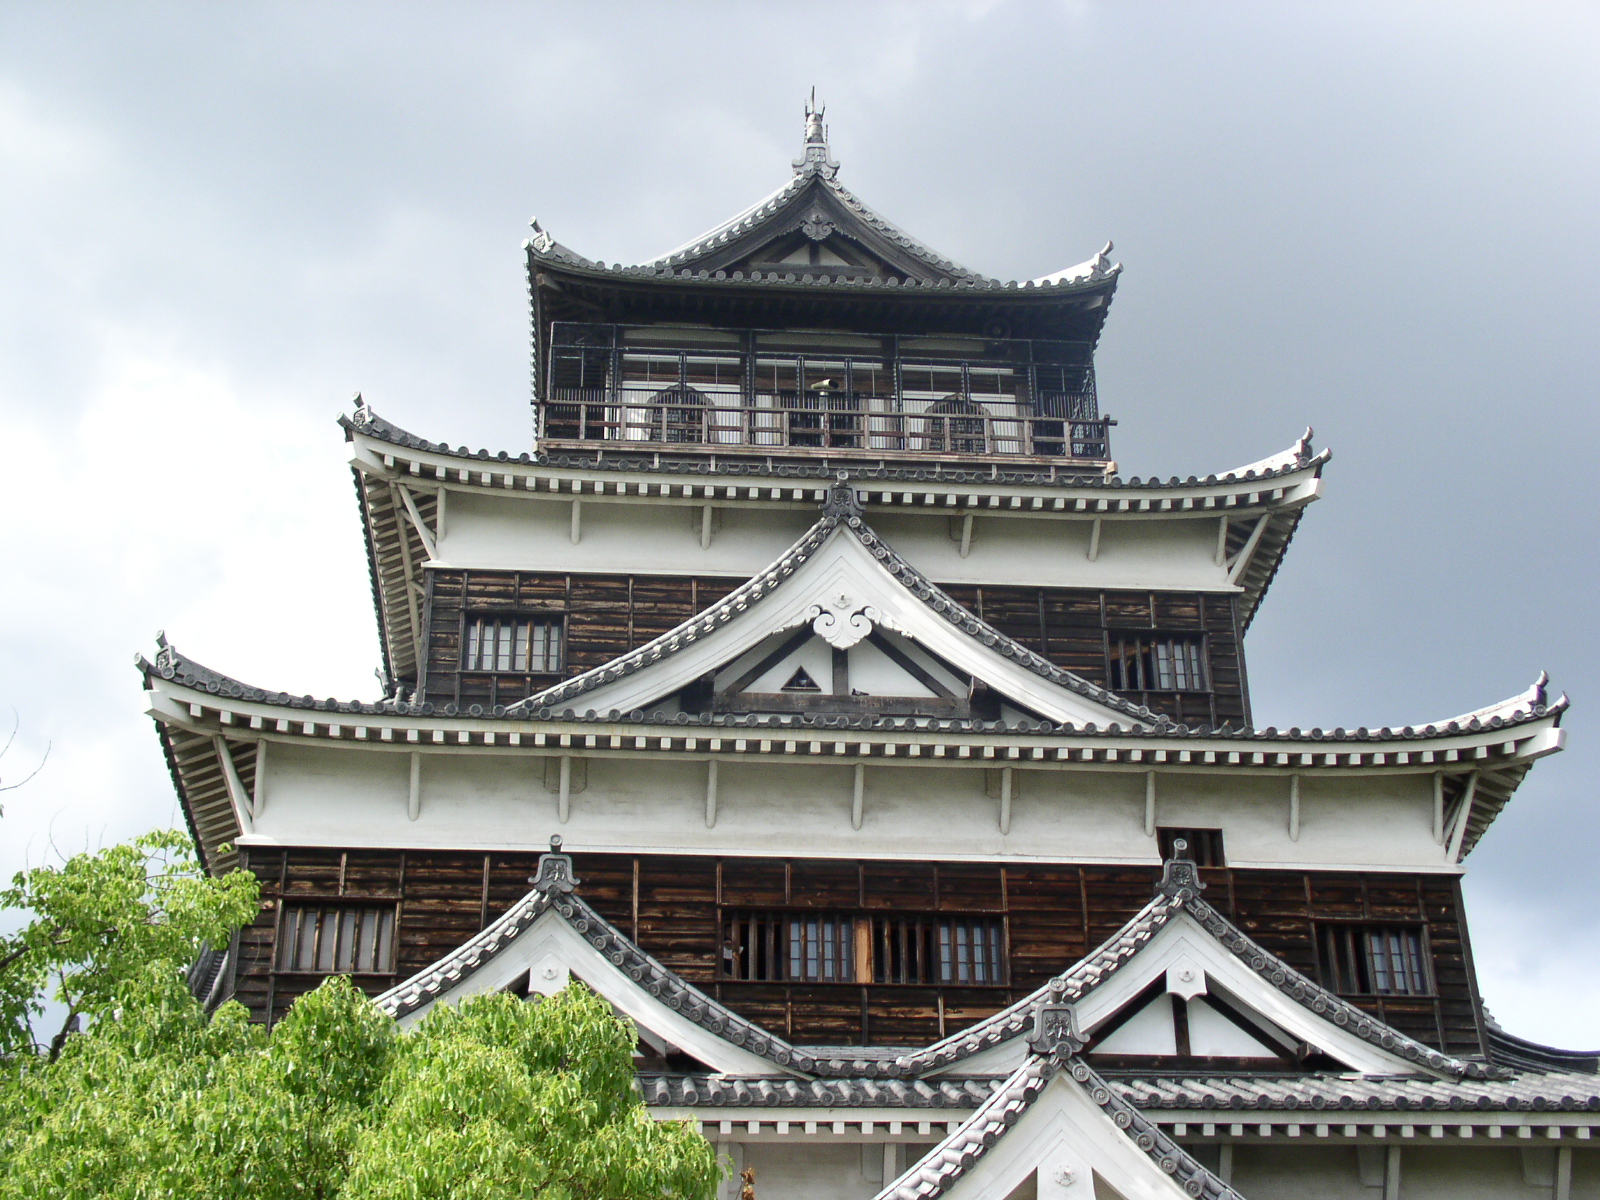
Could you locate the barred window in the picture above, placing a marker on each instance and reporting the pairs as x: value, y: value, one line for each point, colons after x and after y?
x: 841, y: 948
x: 1157, y: 662
x: 1374, y: 960
x: 337, y: 939
x: 513, y: 644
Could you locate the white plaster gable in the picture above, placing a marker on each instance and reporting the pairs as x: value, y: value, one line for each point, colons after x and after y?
x: 842, y: 590
x: 551, y: 953
x: 1063, y: 1139
x: 1191, y: 962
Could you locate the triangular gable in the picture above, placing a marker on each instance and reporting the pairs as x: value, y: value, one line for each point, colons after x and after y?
x: 814, y: 209
x: 1056, y: 1124
x: 550, y: 936
x: 843, y: 580
x: 1180, y: 946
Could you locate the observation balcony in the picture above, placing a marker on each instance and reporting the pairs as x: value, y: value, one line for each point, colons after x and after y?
x: 839, y: 397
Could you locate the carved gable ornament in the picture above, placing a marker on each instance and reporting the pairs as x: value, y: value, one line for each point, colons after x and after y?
x: 840, y: 623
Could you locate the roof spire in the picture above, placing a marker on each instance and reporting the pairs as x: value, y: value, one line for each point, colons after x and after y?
x: 815, y: 159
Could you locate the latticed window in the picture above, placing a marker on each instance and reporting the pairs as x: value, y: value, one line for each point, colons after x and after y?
x: 513, y: 644
x: 1374, y: 960
x: 337, y: 939
x: 1157, y: 662
x: 840, y: 948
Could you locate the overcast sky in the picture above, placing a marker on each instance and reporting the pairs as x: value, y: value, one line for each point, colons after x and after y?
x: 218, y: 222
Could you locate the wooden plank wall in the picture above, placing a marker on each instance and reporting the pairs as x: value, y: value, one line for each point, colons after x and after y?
x: 608, y: 615
x: 673, y: 906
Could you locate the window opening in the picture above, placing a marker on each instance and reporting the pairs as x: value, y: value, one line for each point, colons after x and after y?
x: 839, y: 948
x: 337, y: 940
x: 801, y: 681
x: 1374, y: 960
x: 513, y: 644
x: 1157, y: 662
x: 1205, y: 845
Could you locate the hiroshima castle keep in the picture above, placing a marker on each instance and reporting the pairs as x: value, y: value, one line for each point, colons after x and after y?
x: 816, y: 690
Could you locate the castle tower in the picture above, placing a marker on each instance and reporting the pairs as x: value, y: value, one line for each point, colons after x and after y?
x: 899, y: 751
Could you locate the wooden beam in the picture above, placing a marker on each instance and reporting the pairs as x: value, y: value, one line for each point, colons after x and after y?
x: 576, y: 532
x: 711, y: 793
x: 1438, y: 808
x: 1221, y: 555
x: 230, y: 776
x: 1094, y: 539
x: 259, y: 791
x: 1391, y: 1174
x: 1463, y: 811
x: 564, y: 790
x: 1005, y: 800
x: 1294, y: 808
x: 858, y: 797
x: 417, y: 523
x: 1241, y: 561
x: 406, y: 567
x: 1149, y: 804
x: 414, y: 794
x: 966, y: 535
x: 706, y: 513
x: 910, y: 665
x: 768, y: 661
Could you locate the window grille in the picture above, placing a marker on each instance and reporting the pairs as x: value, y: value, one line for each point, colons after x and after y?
x: 1374, y: 960
x: 513, y: 644
x: 337, y: 940
x: 838, y: 948
x: 1157, y: 662
x: 1205, y: 845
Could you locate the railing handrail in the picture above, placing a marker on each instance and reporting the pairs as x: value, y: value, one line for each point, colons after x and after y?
x: 835, y: 422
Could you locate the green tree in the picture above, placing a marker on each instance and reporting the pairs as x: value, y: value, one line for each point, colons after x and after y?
x: 100, y: 920
x: 497, y: 1097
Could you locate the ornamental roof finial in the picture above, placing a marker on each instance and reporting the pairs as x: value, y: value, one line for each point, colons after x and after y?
x: 815, y: 159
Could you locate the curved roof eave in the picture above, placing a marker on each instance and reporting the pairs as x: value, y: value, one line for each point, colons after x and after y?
x: 174, y: 668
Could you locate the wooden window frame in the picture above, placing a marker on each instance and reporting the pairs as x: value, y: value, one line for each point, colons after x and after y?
x: 1148, y: 638
x: 472, y: 617
x: 870, y: 930
x: 1333, y: 958
x: 285, y: 949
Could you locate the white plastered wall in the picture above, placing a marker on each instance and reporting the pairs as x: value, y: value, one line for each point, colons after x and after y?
x: 535, y: 533
x: 350, y: 795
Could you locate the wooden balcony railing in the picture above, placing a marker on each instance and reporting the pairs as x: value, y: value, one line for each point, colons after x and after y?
x: 832, y: 424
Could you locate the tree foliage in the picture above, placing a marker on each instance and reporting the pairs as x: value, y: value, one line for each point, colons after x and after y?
x: 101, y: 920
x: 497, y: 1097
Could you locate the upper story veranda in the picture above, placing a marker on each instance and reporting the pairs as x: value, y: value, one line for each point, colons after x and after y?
x: 808, y: 327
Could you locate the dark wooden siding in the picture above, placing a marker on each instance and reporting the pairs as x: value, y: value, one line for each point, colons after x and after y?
x: 673, y: 906
x: 608, y: 615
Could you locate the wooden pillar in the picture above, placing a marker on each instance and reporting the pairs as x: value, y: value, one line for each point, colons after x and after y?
x: 711, y: 793
x: 414, y: 792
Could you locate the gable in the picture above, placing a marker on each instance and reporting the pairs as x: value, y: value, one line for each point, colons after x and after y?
x: 814, y: 224
x: 843, y: 581
x: 1183, y: 973
x: 1055, y: 1132
x: 801, y: 671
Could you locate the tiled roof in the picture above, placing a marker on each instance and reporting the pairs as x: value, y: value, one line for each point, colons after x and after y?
x: 1524, y: 1092
x: 841, y: 510
x: 693, y: 1091
x: 1180, y: 893
x: 370, y: 424
x: 552, y: 892
x: 171, y: 664
x: 961, y: 1150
